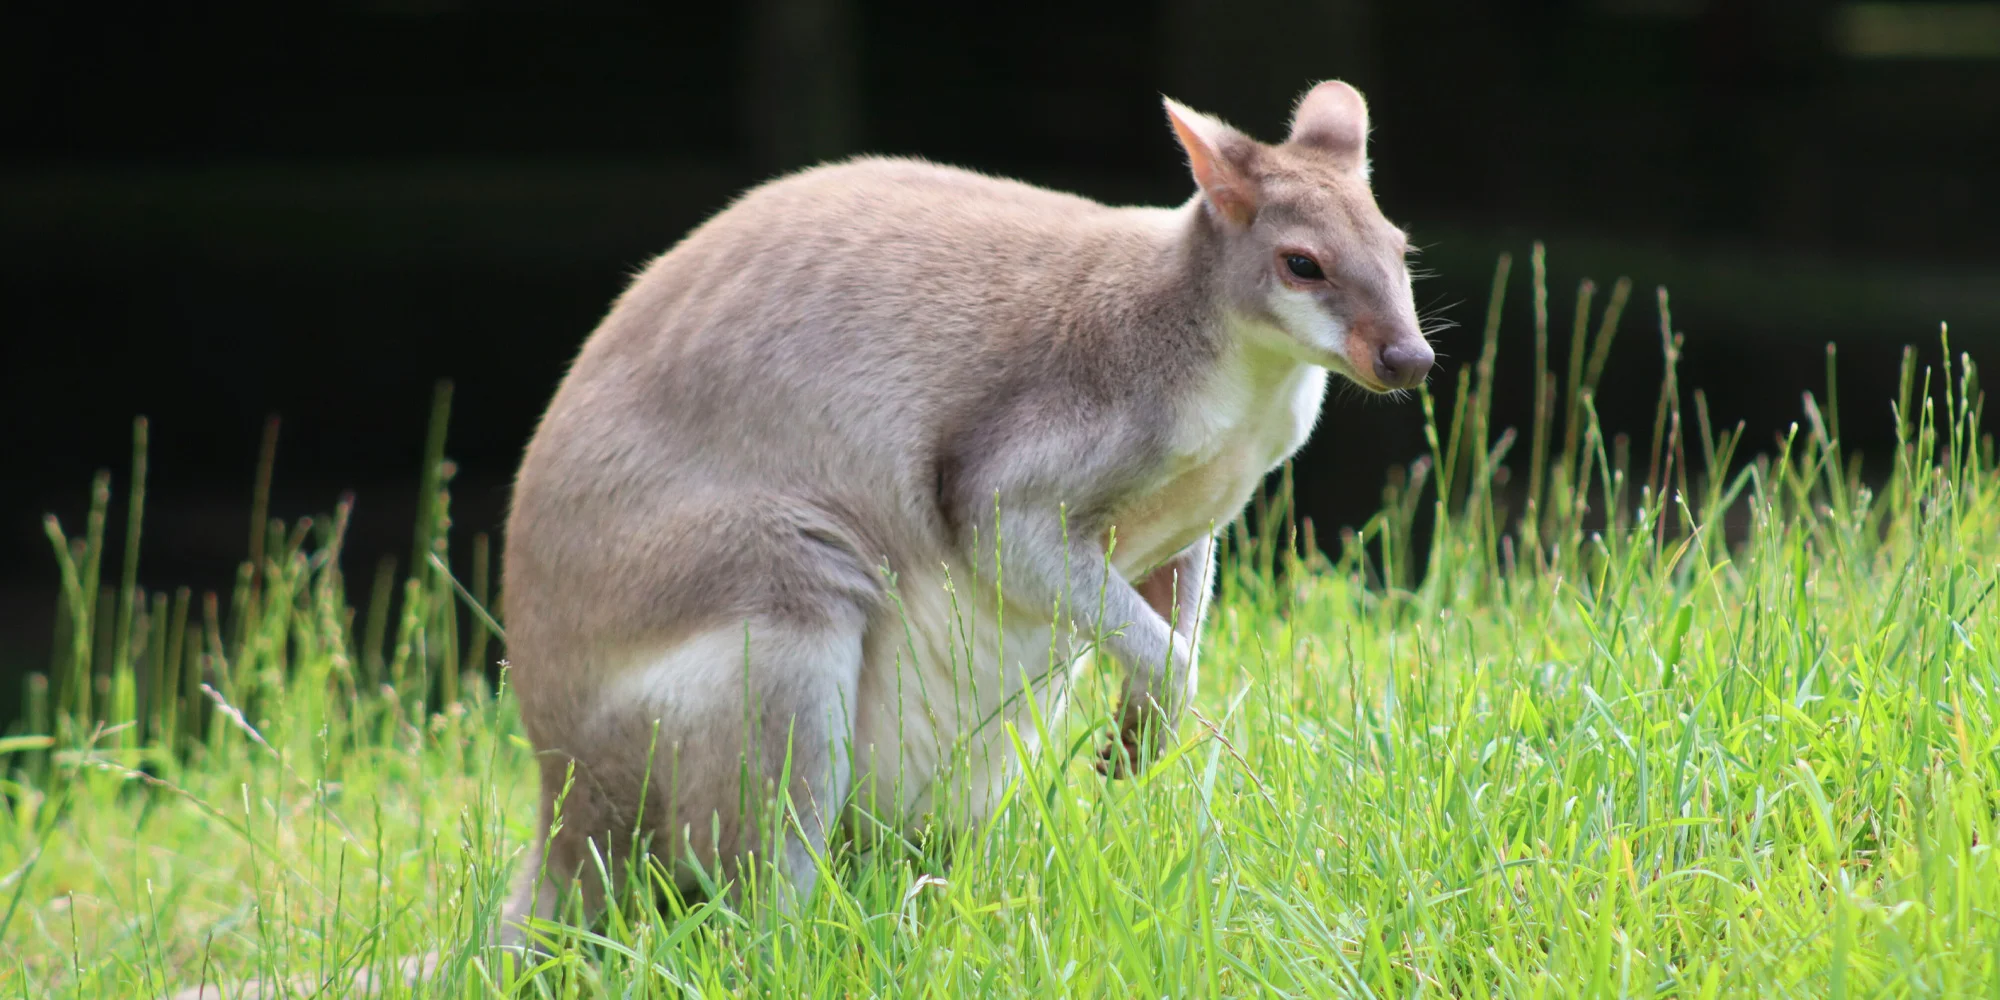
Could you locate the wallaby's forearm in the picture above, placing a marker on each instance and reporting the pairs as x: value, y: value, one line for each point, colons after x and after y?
x: 1059, y: 571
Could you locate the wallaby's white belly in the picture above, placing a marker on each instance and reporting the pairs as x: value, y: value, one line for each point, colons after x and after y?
x: 944, y: 673
x: 1253, y: 412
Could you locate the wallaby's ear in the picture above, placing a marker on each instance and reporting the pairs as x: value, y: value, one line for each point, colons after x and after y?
x: 1333, y: 118
x: 1219, y: 157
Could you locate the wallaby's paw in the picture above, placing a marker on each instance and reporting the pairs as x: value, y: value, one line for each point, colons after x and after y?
x: 1124, y: 755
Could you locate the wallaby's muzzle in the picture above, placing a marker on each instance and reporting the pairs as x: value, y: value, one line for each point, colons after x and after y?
x: 1404, y: 363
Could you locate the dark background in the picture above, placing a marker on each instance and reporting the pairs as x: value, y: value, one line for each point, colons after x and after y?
x: 316, y: 210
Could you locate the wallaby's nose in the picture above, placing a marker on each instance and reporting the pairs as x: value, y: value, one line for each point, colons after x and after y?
x: 1404, y: 364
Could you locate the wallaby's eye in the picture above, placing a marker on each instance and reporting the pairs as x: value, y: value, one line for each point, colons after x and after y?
x: 1303, y: 267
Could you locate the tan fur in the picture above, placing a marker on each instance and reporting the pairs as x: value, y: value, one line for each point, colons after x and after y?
x: 800, y: 426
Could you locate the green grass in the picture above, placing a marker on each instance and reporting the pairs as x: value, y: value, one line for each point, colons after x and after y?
x: 1570, y: 755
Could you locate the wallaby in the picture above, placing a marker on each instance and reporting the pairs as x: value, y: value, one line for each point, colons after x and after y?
x: 833, y: 497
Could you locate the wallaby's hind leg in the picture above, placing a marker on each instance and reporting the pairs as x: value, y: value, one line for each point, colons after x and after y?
x: 732, y: 744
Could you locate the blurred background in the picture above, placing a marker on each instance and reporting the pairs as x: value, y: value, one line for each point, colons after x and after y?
x: 317, y: 210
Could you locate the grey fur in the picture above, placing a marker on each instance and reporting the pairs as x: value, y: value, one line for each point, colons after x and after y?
x: 853, y: 388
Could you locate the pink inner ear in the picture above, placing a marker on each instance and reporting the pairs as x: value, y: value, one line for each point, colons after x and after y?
x: 1221, y: 182
x: 1332, y: 117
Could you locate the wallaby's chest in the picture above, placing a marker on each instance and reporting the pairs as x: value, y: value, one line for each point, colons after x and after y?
x: 1249, y: 415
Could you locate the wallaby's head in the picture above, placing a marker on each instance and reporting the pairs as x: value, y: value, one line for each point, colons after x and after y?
x: 1303, y: 252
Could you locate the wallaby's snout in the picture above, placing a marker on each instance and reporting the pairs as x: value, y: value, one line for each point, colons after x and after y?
x: 1385, y: 354
x: 1405, y: 362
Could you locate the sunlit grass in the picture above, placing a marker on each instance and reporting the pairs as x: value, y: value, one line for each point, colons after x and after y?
x: 1567, y: 754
